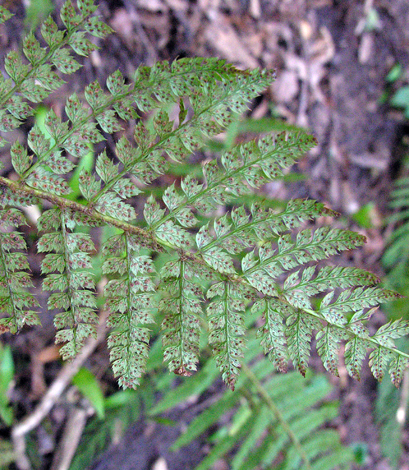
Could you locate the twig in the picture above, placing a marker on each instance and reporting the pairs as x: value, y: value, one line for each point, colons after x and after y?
x: 31, y: 421
x: 70, y: 440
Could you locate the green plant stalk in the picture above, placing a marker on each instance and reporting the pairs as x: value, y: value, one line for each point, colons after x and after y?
x: 25, y: 190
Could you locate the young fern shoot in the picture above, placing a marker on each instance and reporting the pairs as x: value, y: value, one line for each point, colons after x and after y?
x: 251, y: 257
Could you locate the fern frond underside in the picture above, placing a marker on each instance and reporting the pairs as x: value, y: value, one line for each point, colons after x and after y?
x: 250, y: 256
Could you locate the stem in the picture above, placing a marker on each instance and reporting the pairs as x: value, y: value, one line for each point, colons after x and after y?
x: 74, y: 325
x: 25, y: 190
x: 151, y: 242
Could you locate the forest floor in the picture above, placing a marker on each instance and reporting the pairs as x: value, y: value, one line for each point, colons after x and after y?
x: 332, y: 59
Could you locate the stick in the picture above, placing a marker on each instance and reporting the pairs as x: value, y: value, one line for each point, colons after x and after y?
x: 64, y: 377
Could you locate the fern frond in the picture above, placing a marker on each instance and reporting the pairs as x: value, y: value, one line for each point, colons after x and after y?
x: 328, y: 339
x: 309, y: 282
x: 68, y: 254
x: 272, y: 333
x: 36, y: 79
x: 262, y: 271
x: 224, y: 183
x: 15, y: 300
x: 356, y: 350
x: 226, y: 326
x: 130, y: 300
x: 299, y: 328
x: 182, y: 307
x: 243, y: 255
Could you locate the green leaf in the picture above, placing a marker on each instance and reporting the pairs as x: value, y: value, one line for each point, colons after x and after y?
x: 19, y: 108
x: 88, y: 186
x: 80, y: 44
x: 181, y: 324
x: 50, y: 32
x: 4, y: 15
x: 272, y: 333
x: 152, y: 211
x: 48, y: 182
x: 328, y: 340
x: 48, y: 78
x: 6, y: 377
x: 75, y: 110
x: 14, y: 66
x: 95, y: 96
x: 114, y: 207
x: 97, y: 28
x: 256, y: 252
x: 130, y: 302
x: 378, y: 361
x: 126, y: 189
x: 171, y: 233
x: 226, y: 330
x: 88, y: 385
x: 86, y: 7
x: 69, y: 16
x: 8, y: 122
x: 105, y: 167
x: 21, y: 161
x: 64, y: 62
x: 32, y: 49
x: 299, y: 327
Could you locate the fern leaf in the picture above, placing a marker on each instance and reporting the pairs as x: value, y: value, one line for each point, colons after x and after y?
x: 299, y: 329
x: 309, y: 282
x: 188, y: 101
x: 352, y: 300
x: 215, y: 257
x: 19, y: 108
x: 390, y: 331
x: 182, y: 307
x: 19, y: 158
x: 226, y: 326
x: 328, y: 339
x: 397, y: 367
x: 32, y: 49
x: 80, y: 44
x: 4, y: 15
x: 130, y: 300
x: 356, y: 349
x: 378, y: 361
x: 272, y: 333
x: 73, y: 284
x: 15, y: 300
x: 75, y: 110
